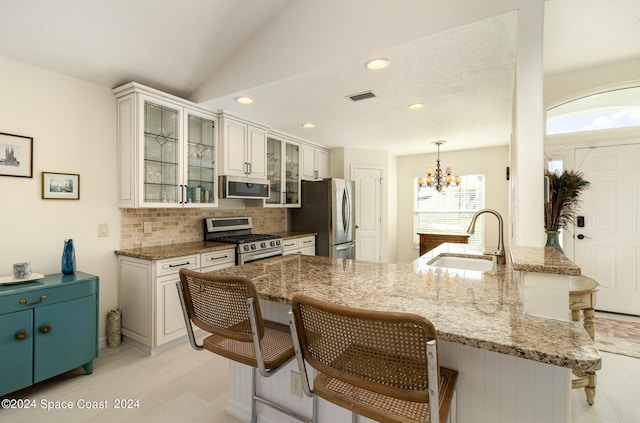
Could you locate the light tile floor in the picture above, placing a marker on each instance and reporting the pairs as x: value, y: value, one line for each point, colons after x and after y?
x: 188, y: 386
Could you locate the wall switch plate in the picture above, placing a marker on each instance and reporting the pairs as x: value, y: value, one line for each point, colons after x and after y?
x: 296, y: 384
x: 103, y: 229
x: 146, y: 227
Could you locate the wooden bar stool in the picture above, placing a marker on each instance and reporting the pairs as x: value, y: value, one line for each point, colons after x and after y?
x: 228, y: 308
x: 381, y: 365
x: 582, y: 297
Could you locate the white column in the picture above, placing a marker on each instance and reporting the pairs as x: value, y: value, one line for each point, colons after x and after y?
x: 527, y: 145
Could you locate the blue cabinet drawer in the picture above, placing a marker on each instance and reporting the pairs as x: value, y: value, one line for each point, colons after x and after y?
x: 50, y: 290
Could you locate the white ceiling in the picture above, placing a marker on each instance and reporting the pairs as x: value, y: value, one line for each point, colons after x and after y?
x: 300, y: 59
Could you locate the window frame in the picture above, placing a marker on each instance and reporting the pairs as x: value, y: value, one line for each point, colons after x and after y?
x: 477, y: 238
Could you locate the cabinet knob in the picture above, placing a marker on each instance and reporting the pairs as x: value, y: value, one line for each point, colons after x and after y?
x: 46, y: 328
x: 22, y: 335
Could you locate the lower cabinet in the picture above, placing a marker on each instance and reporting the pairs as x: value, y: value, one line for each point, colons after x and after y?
x: 151, y: 313
x: 47, y: 327
x: 304, y: 245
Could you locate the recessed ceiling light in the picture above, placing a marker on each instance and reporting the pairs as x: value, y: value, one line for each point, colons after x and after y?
x: 415, y: 106
x: 377, y: 63
x: 244, y: 100
x: 308, y: 125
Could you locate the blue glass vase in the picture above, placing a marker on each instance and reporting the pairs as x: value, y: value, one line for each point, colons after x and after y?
x: 68, y: 258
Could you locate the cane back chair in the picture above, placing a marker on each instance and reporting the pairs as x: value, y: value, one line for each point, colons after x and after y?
x: 381, y: 365
x: 228, y: 308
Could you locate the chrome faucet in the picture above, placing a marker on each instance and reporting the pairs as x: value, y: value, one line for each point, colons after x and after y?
x: 499, y: 253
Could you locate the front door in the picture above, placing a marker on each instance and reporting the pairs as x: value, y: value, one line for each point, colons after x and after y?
x: 607, y: 247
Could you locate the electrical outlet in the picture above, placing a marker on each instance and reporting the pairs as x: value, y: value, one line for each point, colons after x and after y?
x: 146, y: 227
x: 296, y: 384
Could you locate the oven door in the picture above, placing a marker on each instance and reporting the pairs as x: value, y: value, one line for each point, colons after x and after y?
x: 248, y: 258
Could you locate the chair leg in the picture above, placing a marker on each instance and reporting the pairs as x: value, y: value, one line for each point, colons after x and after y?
x: 254, y: 411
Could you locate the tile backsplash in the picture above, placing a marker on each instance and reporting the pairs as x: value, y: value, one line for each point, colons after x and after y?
x: 173, y: 226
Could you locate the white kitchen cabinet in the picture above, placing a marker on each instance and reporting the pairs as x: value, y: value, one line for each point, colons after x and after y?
x: 283, y: 172
x: 166, y: 150
x: 151, y: 313
x: 243, y: 148
x: 315, y: 163
x: 304, y: 245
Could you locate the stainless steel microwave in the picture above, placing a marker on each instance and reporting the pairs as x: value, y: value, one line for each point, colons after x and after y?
x: 243, y: 187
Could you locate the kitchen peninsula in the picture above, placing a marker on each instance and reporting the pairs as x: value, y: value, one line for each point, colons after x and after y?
x: 512, y: 366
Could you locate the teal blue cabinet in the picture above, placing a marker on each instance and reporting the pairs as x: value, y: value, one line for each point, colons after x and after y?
x: 47, y: 327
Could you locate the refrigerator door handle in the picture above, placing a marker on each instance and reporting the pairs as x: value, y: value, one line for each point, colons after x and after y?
x: 346, y: 211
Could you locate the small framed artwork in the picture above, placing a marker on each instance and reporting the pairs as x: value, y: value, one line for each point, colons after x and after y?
x: 60, y: 186
x: 16, y: 155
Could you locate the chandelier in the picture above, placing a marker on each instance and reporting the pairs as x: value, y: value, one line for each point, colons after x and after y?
x: 439, y: 179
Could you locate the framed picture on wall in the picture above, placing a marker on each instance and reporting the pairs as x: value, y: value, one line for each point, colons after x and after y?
x: 16, y: 155
x: 60, y: 186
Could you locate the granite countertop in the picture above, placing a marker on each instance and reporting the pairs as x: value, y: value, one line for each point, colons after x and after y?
x: 474, y: 308
x: 293, y: 234
x: 174, y: 250
x: 542, y: 260
x: 162, y: 252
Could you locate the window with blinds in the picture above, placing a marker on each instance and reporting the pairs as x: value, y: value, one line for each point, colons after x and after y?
x: 451, y: 210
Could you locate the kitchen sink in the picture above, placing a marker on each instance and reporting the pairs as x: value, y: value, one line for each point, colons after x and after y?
x: 478, y: 263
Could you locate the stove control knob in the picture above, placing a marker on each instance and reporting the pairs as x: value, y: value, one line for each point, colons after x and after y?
x: 253, y: 246
x: 277, y: 242
x: 246, y: 248
x: 272, y: 243
x: 263, y: 245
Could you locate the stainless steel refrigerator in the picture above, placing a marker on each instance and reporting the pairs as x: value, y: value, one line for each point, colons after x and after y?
x: 327, y: 209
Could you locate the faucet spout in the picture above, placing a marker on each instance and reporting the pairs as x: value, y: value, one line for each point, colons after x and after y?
x: 499, y: 253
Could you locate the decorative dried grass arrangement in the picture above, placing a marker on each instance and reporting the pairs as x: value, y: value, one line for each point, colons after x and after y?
x: 564, y: 192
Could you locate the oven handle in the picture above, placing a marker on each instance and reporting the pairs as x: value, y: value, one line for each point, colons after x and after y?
x: 252, y: 257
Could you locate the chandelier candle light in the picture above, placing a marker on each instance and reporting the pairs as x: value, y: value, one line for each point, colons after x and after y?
x: 439, y: 179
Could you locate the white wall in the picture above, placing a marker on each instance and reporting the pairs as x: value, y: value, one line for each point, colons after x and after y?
x: 490, y: 161
x: 73, y: 124
x: 562, y: 87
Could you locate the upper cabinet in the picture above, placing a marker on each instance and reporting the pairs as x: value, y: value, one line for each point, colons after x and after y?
x: 283, y: 171
x: 243, y: 148
x: 166, y: 150
x: 315, y: 163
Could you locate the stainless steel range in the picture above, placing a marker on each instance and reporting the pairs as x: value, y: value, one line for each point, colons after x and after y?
x: 238, y: 230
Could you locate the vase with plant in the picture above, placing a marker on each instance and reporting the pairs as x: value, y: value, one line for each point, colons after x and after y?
x: 564, y: 199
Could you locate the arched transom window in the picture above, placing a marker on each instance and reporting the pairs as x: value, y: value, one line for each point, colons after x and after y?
x: 607, y: 110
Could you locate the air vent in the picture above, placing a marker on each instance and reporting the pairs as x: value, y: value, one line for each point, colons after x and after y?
x: 361, y: 96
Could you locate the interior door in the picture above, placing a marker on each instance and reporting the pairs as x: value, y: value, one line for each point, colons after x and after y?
x: 368, y: 213
x: 607, y: 247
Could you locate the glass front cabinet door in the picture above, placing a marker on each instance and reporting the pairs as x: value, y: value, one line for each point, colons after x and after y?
x: 166, y: 150
x: 283, y: 164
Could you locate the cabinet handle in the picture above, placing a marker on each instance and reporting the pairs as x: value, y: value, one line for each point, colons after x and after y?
x: 249, y: 167
x: 307, y: 241
x: 26, y: 303
x: 179, y: 264
x: 46, y: 328
x: 217, y: 258
x: 21, y: 335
